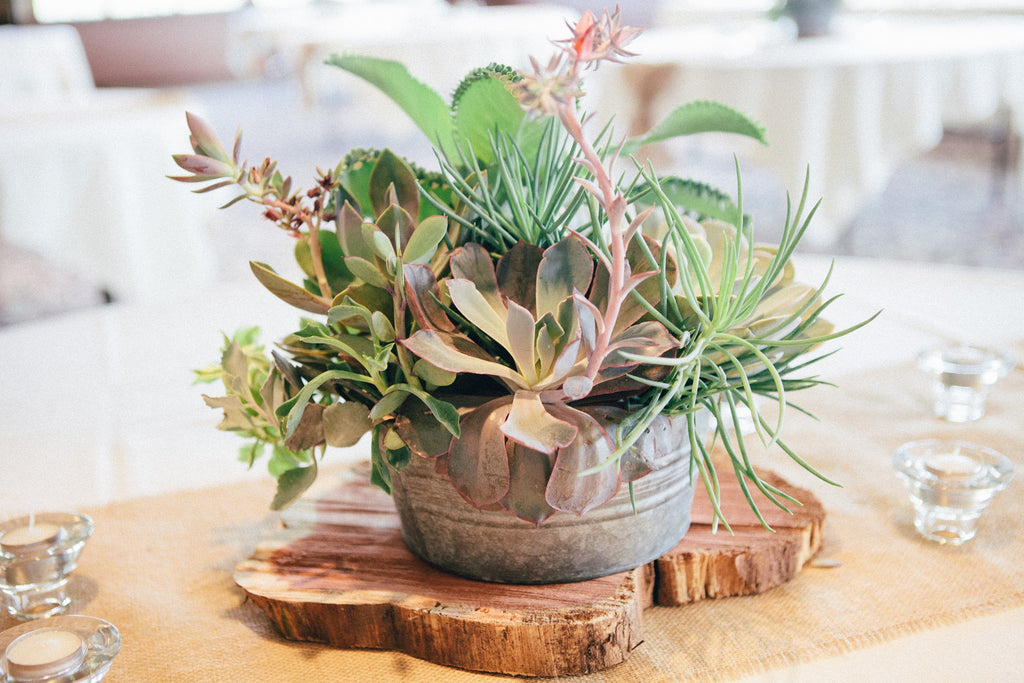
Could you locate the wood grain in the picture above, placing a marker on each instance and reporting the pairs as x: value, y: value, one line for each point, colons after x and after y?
x: 340, y: 574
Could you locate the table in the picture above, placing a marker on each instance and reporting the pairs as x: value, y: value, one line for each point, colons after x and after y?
x: 438, y: 41
x: 850, y: 106
x: 97, y: 415
x: 83, y: 172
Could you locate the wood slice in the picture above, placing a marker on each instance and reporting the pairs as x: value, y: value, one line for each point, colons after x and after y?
x: 717, y: 564
x: 340, y: 574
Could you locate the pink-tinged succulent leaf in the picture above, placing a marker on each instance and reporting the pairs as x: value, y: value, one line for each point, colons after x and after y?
x: 590, y: 320
x: 350, y: 234
x: 204, y: 140
x: 547, y: 330
x: 204, y: 167
x: 564, y: 364
x: 636, y: 224
x: 395, y: 220
x: 421, y: 431
x: 520, y: 328
x: 472, y: 262
x: 632, y: 310
x: 236, y: 148
x: 652, y: 451
x: 459, y: 354
x: 477, y: 309
x: 649, y: 338
x: 517, y: 274
x: 529, y: 471
x: 566, y: 266
x: 577, y: 387
x: 477, y: 461
x: 530, y: 424
x: 569, y: 490
x: 422, y: 295
x: 287, y: 291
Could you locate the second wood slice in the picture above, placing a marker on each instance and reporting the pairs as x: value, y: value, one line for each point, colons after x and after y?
x: 340, y: 574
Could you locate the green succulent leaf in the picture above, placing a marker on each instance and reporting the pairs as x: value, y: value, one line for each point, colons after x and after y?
x: 345, y: 423
x: 425, y: 239
x: 423, y: 105
x: 287, y: 291
x: 699, y: 117
x: 388, y: 404
x: 292, y: 484
x: 443, y: 412
x: 483, y: 107
x: 366, y: 271
x: 391, y: 171
x: 432, y: 374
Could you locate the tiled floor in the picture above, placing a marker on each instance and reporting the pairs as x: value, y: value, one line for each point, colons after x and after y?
x: 947, y: 206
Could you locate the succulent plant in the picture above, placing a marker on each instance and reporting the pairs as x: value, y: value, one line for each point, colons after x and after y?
x: 518, y: 316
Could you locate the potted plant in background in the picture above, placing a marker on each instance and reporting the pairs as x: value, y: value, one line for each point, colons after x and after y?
x: 543, y: 346
x: 812, y: 17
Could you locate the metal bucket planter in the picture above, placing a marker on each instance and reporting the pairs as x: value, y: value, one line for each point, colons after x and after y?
x: 444, y: 530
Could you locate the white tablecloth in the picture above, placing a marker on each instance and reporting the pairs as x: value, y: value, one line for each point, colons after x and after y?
x: 852, y: 106
x: 438, y: 42
x: 84, y: 184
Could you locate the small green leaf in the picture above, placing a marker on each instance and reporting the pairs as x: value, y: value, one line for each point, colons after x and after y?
x: 366, y: 271
x: 382, y: 328
x: 424, y: 240
x: 345, y: 423
x: 433, y: 374
x: 292, y: 484
x: 388, y: 404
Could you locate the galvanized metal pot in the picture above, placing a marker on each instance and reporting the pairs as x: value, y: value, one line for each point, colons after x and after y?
x: 446, y: 531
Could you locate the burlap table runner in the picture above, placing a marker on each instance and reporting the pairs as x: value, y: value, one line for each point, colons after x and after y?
x: 161, y: 568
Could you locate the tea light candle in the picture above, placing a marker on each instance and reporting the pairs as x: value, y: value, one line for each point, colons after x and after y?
x: 44, y: 653
x: 952, y: 466
x: 30, y: 537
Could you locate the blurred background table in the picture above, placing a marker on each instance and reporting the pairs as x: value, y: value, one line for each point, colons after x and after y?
x: 83, y: 172
x: 848, y: 107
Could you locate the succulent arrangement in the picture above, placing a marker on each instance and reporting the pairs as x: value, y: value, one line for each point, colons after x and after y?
x: 498, y: 313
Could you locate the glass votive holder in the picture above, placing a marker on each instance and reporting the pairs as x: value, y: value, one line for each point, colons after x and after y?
x: 962, y: 377
x: 950, y: 484
x: 67, y: 649
x: 37, y: 555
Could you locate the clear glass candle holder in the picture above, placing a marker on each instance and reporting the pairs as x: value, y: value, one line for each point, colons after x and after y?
x: 66, y: 649
x: 962, y: 377
x: 37, y: 555
x: 950, y: 484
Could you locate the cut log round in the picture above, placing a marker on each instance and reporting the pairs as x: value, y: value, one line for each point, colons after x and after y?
x: 340, y: 574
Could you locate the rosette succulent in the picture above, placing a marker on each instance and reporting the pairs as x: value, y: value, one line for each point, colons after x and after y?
x: 518, y: 315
